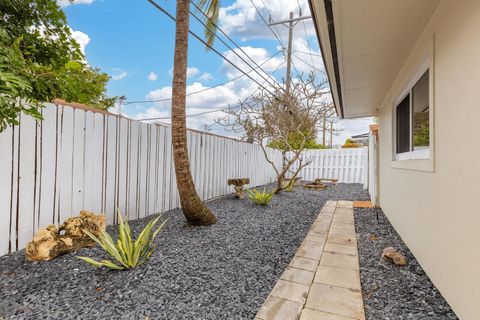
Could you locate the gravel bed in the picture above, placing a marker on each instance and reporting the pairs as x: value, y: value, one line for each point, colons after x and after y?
x: 224, y: 271
x: 391, y: 292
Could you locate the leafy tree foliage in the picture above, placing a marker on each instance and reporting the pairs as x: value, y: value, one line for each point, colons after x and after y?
x: 294, y: 141
x: 40, y: 61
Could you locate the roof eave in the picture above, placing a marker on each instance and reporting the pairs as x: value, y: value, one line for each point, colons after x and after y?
x: 325, y: 29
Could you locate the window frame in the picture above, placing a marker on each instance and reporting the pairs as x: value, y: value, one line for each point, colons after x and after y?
x: 424, y: 154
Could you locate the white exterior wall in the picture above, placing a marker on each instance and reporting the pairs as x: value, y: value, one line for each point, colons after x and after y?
x: 373, y: 168
x: 435, y: 205
x: 80, y: 160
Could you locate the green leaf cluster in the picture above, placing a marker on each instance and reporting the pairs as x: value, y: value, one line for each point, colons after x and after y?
x: 40, y: 61
x: 295, y: 141
x: 261, y: 198
x: 421, y: 130
x: 126, y: 252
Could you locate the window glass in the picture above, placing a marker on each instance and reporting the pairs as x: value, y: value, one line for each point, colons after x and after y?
x: 420, y: 119
x: 403, y: 125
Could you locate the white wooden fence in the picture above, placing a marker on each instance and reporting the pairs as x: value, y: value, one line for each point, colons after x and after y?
x: 77, y: 159
x: 348, y: 165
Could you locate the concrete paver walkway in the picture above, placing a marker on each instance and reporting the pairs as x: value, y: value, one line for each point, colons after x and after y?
x: 322, y: 282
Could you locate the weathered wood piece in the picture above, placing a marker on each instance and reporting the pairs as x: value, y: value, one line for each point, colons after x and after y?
x: 321, y: 180
x: 238, y: 184
x: 52, y: 241
x: 314, y: 186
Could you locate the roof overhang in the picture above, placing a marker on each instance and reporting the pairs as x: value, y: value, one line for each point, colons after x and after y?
x: 364, y: 44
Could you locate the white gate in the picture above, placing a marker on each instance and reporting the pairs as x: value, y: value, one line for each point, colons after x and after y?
x: 349, y: 165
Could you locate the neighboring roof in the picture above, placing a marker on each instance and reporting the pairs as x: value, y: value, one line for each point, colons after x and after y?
x: 364, y: 44
x: 361, y: 136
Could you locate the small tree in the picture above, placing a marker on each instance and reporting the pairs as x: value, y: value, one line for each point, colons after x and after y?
x: 40, y: 61
x: 287, y: 123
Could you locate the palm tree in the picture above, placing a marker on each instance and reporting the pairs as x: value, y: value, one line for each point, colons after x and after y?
x: 193, y: 207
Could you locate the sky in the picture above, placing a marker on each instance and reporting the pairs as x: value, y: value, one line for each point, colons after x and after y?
x: 133, y: 42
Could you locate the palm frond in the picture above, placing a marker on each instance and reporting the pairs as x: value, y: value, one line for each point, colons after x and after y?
x: 211, y: 9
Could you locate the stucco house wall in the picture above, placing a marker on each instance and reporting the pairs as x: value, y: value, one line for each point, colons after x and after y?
x: 435, y: 205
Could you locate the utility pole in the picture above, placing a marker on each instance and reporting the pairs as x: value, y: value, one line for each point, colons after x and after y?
x: 324, y: 125
x: 121, y: 100
x: 331, y: 134
x: 290, y: 24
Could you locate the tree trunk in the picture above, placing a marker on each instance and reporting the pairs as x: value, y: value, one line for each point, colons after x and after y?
x: 193, y: 207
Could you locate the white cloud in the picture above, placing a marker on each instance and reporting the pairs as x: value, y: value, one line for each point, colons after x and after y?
x: 259, y: 55
x: 152, y: 76
x: 241, y: 18
x: 206, y: 77
x: 64, y: 3
x: 118, y: 74
x: 82, y: 39
x: 191, y: 72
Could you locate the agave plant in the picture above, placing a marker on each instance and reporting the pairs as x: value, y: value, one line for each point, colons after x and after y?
x: 261, y: 198
x: 127, y: 253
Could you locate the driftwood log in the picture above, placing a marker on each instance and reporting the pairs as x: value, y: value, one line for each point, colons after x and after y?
x: 321, y: 180
x: 52, y: 241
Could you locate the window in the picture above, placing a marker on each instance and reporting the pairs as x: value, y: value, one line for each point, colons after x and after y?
x: 412, y: 125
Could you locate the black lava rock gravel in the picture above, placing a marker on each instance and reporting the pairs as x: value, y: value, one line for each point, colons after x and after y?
x: 224, y: 271
x: 391, y: 292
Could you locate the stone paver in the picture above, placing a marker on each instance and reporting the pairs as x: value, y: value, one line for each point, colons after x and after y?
x: 339, y: 260
x: 292, y: 291
x: 310, y: 250
x: 340, y: 248
x: 338, y: 277
x: 336, y: 300
x: 311, y: 314
x: 322, y: 281
x: 304, y: 263
x: 279, y: 308
x: 298, y: 275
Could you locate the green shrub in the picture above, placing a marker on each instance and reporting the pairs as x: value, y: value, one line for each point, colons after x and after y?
x: 127, y: 253
x: 261, y: 198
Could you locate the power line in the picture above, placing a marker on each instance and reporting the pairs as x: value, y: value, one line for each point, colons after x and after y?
x: 312, y: 54
x: 190, y: 115
x: 196, y: 36
x: 216, y: 110
x: 305, y: 30
x: 231, y: 40
x: 227, y: 45
x: 206, y: 89
x: 266, y: 23
x: 308, y: 64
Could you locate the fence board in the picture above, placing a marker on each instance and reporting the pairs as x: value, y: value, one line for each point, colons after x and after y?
x: 346, y: 165
x: 6, y: 169
x: 81, y: 160
x: 48, y: 166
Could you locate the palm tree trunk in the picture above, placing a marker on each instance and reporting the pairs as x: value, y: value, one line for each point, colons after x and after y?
x: 193, y: 207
